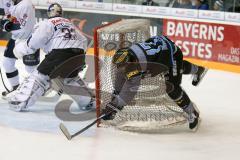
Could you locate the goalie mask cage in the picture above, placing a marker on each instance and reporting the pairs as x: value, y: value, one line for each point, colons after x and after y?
x: 151, y: 109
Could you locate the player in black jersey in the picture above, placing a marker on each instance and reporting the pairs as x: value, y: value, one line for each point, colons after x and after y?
x: 139, y: 60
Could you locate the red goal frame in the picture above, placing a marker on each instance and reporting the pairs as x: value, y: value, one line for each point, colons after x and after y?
x: 96, y: 62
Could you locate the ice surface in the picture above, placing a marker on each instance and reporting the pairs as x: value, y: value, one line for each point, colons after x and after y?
x: 35, y: 135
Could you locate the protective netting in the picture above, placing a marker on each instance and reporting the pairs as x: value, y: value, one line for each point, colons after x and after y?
x: 151, y: 109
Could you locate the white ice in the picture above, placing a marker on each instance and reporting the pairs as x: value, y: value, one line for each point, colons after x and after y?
x: 218, y: 137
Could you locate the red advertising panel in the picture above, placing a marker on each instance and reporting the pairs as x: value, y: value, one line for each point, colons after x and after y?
x: 205, y: 41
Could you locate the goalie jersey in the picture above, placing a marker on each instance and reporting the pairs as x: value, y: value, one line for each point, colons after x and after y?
x: 56, y: 33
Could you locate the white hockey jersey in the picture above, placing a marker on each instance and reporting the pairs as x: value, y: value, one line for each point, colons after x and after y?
x: 24, y: 14
x: 56, y: 33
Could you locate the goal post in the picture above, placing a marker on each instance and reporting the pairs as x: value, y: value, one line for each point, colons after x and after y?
x: 97, y: 66
x: 151, y: 109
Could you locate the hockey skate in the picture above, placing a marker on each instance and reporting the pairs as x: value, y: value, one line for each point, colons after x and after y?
x: 5, y: 93
x: 194, y: 119
x: 197, y: 78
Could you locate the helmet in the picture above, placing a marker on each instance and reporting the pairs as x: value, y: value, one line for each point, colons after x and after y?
x: 15, y: 2
x: 54, y: 10
x: 127, y: 63
x: 122, y: 57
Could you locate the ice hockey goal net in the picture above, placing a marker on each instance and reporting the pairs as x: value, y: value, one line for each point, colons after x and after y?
x: 151, y: 108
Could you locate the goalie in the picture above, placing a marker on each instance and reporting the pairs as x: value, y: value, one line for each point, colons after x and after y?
x: 61, y: 42
x: 134, y: 63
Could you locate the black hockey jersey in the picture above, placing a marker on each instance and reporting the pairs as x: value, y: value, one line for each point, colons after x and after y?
x: 158, y: 49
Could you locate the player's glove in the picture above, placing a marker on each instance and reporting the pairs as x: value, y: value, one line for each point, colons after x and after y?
x: 6, y: 25
x: 110, y: 111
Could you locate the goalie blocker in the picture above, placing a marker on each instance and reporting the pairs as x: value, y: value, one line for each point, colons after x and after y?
x: 135, y: 62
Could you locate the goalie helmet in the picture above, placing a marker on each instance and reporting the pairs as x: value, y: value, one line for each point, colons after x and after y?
x: 54, y: 10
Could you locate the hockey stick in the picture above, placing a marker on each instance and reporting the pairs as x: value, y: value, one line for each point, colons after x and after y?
x: 3, y: 81
x: 69, y: 136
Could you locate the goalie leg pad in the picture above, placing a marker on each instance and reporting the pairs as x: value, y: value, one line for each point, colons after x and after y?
x: 28, y: 92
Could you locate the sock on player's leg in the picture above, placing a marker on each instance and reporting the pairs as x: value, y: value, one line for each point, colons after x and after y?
x: 198, y: 72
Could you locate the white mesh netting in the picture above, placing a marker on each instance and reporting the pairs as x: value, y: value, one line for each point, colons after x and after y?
x: 151, y: 109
